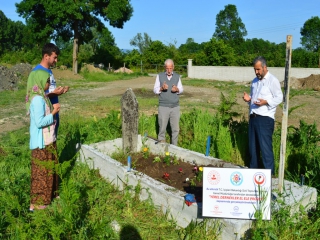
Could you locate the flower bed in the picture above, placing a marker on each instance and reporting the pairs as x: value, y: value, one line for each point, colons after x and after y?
x: 168, y: 169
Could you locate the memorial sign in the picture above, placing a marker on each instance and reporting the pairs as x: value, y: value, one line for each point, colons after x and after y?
x: 236, y: 193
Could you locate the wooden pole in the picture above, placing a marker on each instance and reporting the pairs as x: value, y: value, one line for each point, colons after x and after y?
x: 284, y: 126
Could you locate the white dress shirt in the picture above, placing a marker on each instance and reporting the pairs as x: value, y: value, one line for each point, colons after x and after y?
x: 268, y: 89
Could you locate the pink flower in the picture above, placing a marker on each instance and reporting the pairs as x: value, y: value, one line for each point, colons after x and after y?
x: 195, y: 169
x: 35, y: 88
x: 180, y: 170
x: 27, y: 98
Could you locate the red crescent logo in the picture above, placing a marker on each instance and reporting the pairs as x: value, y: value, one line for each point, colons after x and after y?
x: 259, y: 179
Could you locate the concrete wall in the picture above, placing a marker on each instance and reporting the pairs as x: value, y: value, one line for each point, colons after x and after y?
x: 242, y: 74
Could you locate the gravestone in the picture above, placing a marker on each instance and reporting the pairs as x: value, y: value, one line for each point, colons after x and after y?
x: 130, y: 121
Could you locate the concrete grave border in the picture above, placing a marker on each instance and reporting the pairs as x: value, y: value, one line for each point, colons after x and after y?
x: 171, y: 200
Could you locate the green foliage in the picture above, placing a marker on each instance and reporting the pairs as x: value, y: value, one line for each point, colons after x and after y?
x: 104, y: 49
x: 225, y: 106
x: 141, y: 42
x: 85, y: 54
x: 229, y: 26
x: 109, y: 126
x: 304, y: 58
x: 65, y: 22
x: 156, y: 53
x: 302, y: 149
x: 223, y: 143
x: 107, y: 76
x: 133, y: 58
x: 219, y: 53
x: 310, y: 33
x: 72, y: 20
x: 13, y: 35
x: 31, y: 56
x: 190, y: 47
x: 88, y: 205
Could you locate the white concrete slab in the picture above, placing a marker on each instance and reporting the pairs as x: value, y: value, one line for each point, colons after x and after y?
x: 171, y: 200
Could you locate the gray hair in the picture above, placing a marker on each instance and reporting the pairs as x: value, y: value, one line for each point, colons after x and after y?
x: 168, y: 61
x: 260, y: 59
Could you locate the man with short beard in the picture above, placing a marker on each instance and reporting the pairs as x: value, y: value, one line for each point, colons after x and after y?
x: 50, y: 53
x: 265, y: 96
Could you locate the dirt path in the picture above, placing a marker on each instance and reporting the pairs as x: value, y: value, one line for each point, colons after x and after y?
x: 211, y: 96
x: 98, y: 90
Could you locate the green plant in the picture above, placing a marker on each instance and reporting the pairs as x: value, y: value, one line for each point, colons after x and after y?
x: 167, y: 159
x: 157, y: 159
x: 175, y: 160
x: 192, y: 183
x: 146, y: 152
x: 199, y: 174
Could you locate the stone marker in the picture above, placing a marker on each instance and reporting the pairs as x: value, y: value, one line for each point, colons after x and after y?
x: 130, y: 121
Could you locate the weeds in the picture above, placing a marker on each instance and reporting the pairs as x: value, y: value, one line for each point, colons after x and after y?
x: 89, y: 205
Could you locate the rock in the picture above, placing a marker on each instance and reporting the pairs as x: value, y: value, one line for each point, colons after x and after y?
x: 122, y: 70
x: 8, y: 79
x: 22, y: 69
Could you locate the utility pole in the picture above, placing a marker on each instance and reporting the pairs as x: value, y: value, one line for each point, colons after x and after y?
x: 284, y: 126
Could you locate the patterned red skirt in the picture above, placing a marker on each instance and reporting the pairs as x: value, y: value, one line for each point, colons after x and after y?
x: 44, y: 180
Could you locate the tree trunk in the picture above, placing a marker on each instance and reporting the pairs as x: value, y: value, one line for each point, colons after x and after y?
x: 75, y: 50
x: 75, y: 54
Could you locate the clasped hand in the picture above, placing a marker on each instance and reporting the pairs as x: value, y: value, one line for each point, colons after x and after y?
x: 165, y: 88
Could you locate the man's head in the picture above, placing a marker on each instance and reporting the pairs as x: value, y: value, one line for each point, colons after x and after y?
x: 169, y: 66
x: 50, y: 54
x: 260, y: 67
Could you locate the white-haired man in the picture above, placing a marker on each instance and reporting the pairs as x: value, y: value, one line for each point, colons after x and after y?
x: 168, y: 86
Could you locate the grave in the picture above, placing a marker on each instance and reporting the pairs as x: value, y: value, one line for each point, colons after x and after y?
x: 169, y: 199
x: 130, y: 121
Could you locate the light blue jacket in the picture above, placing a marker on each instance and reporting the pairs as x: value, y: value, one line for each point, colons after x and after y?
x: 38, y: 120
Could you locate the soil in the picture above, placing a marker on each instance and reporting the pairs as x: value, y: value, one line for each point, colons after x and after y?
x: 306, y: 104
x: 172, y: 172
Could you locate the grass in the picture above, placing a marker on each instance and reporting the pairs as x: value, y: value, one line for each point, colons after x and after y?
x: 90, y: 207
x: 109, y: 77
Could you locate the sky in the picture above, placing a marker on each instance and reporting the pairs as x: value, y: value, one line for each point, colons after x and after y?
x: 174, y: 21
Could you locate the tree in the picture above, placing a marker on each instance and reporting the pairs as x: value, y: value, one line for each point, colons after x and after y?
x: 190, y: 47
x: 303, y: 58
x: 156, y: 53
x: 133, y: 58
x: 141, y: 42
x: 229, y: 26
x: 105, y: 48
x: 72, y: 19
x: 219, y: 53
x: 12, y: 35
x: 310, y: 33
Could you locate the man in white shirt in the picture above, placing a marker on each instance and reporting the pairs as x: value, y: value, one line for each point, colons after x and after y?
x: 168, y: 86
x: 265, y: 96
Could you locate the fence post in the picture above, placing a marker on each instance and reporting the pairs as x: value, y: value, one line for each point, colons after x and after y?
x: 189, y: 67
x: 285, y: 113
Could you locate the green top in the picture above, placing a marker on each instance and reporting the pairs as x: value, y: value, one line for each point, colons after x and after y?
x: 36, y: 83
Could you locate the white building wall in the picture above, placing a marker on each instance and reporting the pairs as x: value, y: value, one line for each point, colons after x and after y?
x: 243, y: 74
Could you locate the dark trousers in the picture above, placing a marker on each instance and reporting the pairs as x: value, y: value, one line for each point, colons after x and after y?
x: 260, y: 142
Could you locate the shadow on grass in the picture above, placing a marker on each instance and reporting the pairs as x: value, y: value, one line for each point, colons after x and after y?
x: 129, y: 232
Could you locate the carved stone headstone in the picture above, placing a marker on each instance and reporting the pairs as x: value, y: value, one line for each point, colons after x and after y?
x: 130, y: 121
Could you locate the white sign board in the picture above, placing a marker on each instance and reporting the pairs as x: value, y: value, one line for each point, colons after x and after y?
x: 236, y: 193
